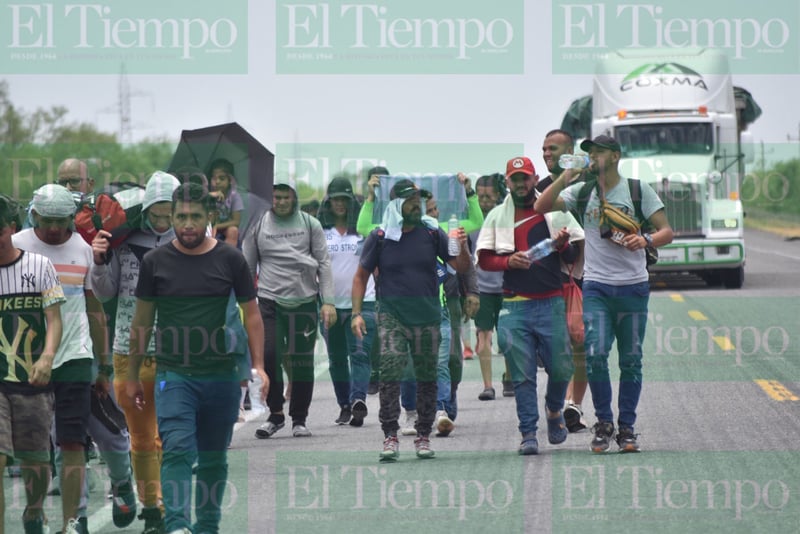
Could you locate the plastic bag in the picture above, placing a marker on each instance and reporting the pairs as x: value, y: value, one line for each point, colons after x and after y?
x: 573, y: 297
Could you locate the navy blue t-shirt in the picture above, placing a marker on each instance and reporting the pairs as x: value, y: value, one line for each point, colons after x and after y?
x: 408, y: 284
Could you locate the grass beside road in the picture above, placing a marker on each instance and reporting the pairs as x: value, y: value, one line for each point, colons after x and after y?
x: 783, y: 224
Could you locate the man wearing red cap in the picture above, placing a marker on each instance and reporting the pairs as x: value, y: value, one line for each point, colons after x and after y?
x: 531, y: 323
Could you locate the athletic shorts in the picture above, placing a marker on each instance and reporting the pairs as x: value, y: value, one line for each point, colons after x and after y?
x: 486, y: 318
x: 72, y: 386
x: 25, y: 426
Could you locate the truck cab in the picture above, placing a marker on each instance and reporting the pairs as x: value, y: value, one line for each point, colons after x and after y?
x: 677, y: 119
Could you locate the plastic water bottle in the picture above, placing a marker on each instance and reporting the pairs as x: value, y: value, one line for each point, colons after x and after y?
x: 256, y: 404
x: 542, y: 249
x: 573, y: 161
x: 453, y: 246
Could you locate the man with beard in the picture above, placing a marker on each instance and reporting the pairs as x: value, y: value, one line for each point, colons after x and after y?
x: 532, y: 322
x: 557, y: 143
x: 616, y: 286
x: 188, y: 283
x: 404, y: 249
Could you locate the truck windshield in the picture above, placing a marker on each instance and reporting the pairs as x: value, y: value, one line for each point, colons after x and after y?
x: 639, y: 140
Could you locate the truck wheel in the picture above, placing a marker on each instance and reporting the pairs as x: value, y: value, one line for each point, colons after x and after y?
x: 733, y: 278
x: 712, y: 278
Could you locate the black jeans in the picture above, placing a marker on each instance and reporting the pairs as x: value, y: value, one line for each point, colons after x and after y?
x: 289, y: 338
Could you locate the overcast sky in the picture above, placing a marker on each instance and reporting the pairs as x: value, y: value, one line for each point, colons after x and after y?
x: 281, y: 108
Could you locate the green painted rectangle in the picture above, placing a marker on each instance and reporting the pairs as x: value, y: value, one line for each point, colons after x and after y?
x: 352, y: 492
x: 701, y: 491
x: 143, y: 37
x: 314, y: 164
x: 409, y: 37
x: 758, y: 38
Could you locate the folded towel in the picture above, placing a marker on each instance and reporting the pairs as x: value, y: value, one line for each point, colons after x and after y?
x: 392, y: 222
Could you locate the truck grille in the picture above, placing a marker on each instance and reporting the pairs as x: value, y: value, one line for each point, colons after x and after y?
x: 683, y: 208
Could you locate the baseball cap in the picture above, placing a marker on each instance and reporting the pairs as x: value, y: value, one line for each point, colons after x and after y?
x: 602, y: 141
x: 340, y: 187
x: 404, y: 188
x: 521, y: 164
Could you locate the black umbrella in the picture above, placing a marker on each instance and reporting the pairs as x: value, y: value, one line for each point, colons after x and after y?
x: 253, y: 164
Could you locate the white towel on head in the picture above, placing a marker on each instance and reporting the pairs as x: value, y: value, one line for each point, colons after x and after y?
x: 392, y: 222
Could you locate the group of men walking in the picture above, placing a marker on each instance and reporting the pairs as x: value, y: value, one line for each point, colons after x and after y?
x: 376, y: 290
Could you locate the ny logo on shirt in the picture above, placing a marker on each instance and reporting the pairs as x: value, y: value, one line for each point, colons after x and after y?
x: 28, y: 280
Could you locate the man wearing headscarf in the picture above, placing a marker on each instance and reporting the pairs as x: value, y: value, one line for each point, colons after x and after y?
x: 52, y: 212
x: 118, y: 277
x: 404, y: 249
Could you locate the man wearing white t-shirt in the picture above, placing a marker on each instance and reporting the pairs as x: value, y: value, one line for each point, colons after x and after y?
x: 84, y: 338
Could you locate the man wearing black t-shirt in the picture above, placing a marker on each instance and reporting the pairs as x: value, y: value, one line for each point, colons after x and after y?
x: 188, y: 282
x: 404, y: 250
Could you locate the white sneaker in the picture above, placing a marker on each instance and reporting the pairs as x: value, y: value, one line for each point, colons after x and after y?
x: 411, y: 420
x: 444, y: 425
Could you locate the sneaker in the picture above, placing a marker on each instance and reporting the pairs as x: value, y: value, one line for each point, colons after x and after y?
x: 573, y: 415
x: 529, y: 445
x: 626, y: 440
x: 444, y: 425
x: 391, y: 449
x: 410, y: 427
x: 301, y: 431
x: 556, y: 429
x: 268, y: 429
x: 344, y: 415
x: 468, y: 354
x: 603, y: 432
x: 181, y: 531
x: 359, y: 411
x: 153, y: 521
x: 74, y: 526
x: 372, y: 389
x: 123, y: 508
x: 36, y: 525
x: 423, y: 447
x: 486, y: 394
x: 508, y: 387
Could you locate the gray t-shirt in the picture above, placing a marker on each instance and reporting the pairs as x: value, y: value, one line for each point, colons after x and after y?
x: 606, y: 261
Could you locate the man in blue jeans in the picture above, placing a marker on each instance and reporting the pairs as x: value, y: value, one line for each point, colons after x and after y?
x: 532, y: 322
x: 616, y: 290
x: 188, y: 282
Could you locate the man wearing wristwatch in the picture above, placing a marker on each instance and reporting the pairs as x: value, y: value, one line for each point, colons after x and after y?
x: 616, y: 286
x: 52, y: 212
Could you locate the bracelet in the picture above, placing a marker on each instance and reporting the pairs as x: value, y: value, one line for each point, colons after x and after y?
x: 106, y: 370
x: 354, y: 315
x: 649, y: 239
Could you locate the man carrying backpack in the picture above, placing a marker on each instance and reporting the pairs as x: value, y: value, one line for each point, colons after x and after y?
x: 404, y: 249
x: 116, y: 277
x: 615, y: 281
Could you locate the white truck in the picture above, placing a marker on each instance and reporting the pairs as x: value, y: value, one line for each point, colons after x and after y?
x: 680, y: 123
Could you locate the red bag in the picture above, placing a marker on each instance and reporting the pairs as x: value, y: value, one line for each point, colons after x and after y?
x: 573, y: 297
